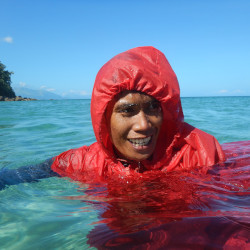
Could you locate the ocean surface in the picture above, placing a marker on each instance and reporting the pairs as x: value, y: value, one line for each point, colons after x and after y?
x: 57, y: 213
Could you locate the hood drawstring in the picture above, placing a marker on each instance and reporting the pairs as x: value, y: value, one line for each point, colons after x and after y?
x: 139, y: 166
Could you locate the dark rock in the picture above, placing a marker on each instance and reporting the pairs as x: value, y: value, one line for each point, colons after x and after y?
x: 18, y: 98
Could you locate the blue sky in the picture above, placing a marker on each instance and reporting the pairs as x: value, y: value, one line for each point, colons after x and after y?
x: 60, y: 45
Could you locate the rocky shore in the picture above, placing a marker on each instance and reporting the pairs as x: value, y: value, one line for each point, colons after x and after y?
x: 17, y: 98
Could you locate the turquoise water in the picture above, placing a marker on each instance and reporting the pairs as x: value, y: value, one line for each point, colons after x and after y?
x: 56, y: 213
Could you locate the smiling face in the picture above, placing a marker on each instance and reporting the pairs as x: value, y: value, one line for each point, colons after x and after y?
x: 135, y: 122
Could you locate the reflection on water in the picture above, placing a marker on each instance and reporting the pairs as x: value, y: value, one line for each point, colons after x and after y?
x: 190, y: 210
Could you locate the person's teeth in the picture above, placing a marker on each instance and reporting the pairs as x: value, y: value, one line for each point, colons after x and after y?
x: 141, y: 141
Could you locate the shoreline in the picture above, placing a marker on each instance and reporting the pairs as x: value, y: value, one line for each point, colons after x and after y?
x: 15, y: 99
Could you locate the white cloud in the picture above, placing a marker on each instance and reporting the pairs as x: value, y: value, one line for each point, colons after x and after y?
x: 44, y: 87
x: 223, y: 91
x: 83, y: 92
x: 78, y: 92
x: 75, y: 94
x: 8, y: 39
x: 50, y: 90
x: 238, y: 91
x: 22, y: 84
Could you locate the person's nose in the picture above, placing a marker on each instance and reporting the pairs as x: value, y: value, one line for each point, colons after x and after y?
x: 142, y: 122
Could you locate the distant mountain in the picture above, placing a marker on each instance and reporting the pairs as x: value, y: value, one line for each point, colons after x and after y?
x: 76, y: 96
x: 37, y: 94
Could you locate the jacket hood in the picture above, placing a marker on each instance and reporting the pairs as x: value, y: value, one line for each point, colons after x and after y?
x: 179, y: 145
x: 143, y: 69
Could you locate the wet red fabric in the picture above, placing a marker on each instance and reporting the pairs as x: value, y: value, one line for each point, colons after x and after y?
x: 179, y: 146
x: 178, y: 210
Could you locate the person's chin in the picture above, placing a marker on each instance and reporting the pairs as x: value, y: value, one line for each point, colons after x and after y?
x: 139, y: 155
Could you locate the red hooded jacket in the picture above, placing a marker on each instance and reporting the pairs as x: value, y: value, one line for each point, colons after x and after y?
x: 179, y: 146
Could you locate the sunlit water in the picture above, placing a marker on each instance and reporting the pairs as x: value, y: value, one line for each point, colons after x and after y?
x: 190, y: 211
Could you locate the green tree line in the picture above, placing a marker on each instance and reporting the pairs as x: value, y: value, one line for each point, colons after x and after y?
x: 5, y: 82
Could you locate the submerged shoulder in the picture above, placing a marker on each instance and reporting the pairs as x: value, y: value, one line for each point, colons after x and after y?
x: 77, y: 152
x: 78, y: 160
x: 203, y: 147
x: 197, y: 137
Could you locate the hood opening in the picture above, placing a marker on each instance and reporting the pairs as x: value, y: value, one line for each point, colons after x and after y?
x: 142, y: 69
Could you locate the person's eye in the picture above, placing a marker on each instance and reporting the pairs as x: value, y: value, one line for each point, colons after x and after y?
x: 127, y: 110
x: 154, y: 107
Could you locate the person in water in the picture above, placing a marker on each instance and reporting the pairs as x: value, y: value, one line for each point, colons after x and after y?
x: 139, y: 126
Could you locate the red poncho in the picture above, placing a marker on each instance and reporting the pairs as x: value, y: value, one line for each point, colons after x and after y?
x: 179, y: 146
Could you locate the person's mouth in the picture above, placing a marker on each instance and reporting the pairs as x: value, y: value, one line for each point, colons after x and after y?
x: 140, y: 142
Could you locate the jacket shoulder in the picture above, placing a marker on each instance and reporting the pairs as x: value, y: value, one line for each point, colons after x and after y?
x: 79, y: 162
x: 204, y: 149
